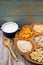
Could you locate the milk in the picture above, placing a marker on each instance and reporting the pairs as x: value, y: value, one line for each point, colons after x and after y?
x: 10, y: 27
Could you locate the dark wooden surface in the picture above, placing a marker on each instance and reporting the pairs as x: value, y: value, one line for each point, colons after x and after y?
x: 24, y: 0
x: 22, y: 12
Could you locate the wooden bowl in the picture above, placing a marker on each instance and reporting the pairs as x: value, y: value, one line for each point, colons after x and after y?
x: 26, y: 55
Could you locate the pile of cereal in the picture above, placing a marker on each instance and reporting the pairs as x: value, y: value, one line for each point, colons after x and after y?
x: 39, y: 40
x: 37, y: 55
x: 38, y: 28
x: 25, y: 32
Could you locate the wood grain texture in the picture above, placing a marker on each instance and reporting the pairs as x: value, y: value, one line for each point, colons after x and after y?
x: 5, y: 56
x: 24, y: 0
x: 39, y: 8
x: 20, y: 8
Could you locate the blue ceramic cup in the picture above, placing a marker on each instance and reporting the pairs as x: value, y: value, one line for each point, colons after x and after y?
x: 9, y: 29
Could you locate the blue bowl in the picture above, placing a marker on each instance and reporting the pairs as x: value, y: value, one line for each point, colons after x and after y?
x: 10, y: 34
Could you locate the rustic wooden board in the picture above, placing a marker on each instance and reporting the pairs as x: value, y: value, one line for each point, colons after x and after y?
x: 21, y: 12
x: 24, y: 0
x: 20, y: 8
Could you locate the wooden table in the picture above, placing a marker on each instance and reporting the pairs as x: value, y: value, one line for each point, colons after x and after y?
x: 5, y: 55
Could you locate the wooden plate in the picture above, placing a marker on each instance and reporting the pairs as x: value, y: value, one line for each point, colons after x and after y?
x: 26, y: 55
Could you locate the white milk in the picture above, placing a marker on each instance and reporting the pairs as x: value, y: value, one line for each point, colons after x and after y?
x: 10, y: 27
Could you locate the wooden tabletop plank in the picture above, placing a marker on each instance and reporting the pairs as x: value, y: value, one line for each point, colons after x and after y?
x: 5, y: 56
